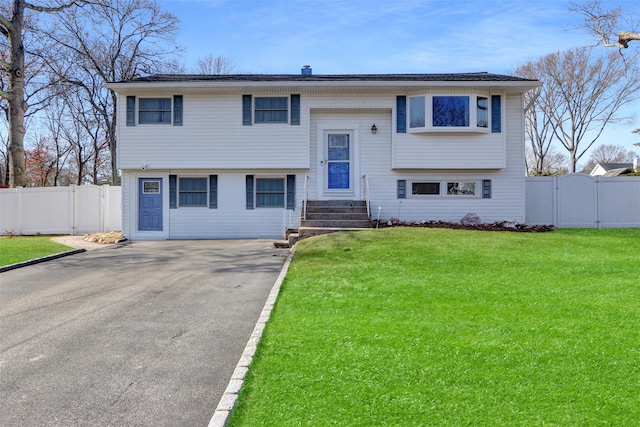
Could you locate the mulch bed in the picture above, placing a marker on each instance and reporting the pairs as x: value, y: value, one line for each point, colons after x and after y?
x: 496, y: 226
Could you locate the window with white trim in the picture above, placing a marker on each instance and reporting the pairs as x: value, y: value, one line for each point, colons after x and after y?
x: 272, y: 110
x: 146, y: 111
x: 154, y: 110
x: 461, y: 188
x: 271, y: 192
x: 193, y: 192
x: 450, y: 188
x: 425, y: 188
x: 455, y: 113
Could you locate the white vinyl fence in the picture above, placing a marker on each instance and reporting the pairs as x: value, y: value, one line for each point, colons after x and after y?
x: 60, y: 210
x: 583, y: 201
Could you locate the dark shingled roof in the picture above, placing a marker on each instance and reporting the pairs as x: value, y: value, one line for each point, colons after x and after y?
x: 454, y: 77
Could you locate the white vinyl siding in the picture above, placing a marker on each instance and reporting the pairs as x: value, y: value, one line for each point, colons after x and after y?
x: 229, y: 221
x: 212, y: 136
x: 213, y: 141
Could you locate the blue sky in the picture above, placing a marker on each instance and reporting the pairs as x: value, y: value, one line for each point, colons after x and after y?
x: 375, y: 36
x: 381, y: 36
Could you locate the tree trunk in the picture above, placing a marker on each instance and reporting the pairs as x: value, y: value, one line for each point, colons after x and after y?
x: 16, y: 154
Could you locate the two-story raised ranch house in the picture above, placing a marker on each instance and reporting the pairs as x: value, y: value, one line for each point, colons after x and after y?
x: 235, y: 156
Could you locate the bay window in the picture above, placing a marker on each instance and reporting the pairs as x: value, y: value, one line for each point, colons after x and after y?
x: 455, y: 113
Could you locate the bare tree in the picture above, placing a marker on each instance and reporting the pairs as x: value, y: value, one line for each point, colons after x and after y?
x: 637, y: 144
x: 605, y: 24
x: 539, y: 127
x: 583, y: 94
x: 113, y: 41
x: 55, y: 115
x: 12, y: 27
x: 216, y: 65
x: 554, y: 163
x: 608, y: 153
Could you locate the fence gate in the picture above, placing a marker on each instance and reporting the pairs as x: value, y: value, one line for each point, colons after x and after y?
x: 577, y: 201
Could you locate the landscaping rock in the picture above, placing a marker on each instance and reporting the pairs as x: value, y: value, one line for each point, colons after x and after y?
x: 471, y: 219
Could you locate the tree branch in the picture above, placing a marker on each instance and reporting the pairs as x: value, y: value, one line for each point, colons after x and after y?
x: 53, y: 9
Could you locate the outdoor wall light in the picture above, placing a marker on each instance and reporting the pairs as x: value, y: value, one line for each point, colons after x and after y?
x: 374, y: 129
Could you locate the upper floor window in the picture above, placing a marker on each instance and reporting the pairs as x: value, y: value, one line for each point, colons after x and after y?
x: 417, y: 112
x: 454, y: 113
x: 154, y: 110
x: 450, y: 111
x: 272, y: 110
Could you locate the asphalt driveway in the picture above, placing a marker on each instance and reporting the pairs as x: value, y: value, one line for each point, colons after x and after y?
x: 144, y: 334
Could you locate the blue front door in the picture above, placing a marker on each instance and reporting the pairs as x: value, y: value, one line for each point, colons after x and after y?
x: 150, y: 204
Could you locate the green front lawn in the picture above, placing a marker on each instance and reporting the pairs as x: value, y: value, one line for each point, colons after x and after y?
x: 431, y: 327
x: 23, y: 248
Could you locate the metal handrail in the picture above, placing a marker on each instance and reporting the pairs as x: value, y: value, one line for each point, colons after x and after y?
x: 365, y: 184
x: 306, y: 197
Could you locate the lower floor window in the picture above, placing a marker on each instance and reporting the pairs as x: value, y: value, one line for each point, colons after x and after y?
x: 425, y: 188
x: 449, y: 188
x: 193, y: 192
x: 270, y: 192
x: 462, y: 188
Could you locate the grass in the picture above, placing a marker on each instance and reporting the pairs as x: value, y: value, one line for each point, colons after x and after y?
x: 428, y: 327
x: 23, y: 248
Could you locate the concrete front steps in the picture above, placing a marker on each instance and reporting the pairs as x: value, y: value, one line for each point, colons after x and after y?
x: 329, y: 216
x: 336, y: 214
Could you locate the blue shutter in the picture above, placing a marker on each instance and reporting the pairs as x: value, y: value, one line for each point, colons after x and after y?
x: 402, y: 189
x: 246, y: 110
x: 131, y: 110
x: 177, y: 110
x: 486, y: 188
x: 173, y: 192
x: 496, y: 113
x: 401, y: 114
x: 295, y: 109
x: 213, y: 191
x: 291, y: 192
x: 249, y: 188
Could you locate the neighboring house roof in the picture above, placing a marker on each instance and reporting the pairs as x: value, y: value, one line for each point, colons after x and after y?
x: 611, y: 169
x: 618, y: 171
x: 324, y: 82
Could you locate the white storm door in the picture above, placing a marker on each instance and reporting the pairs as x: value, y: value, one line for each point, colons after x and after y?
x: 338, y: 165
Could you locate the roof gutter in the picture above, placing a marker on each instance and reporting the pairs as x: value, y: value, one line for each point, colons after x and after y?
x: 318, y: 86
